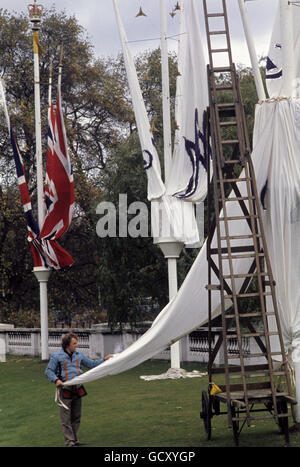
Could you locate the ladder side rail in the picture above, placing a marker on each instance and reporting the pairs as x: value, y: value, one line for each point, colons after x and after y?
x: 227, y: 30
x: 211, y: 228
x: 272, y: 286
x: 222, y: 299
x: 262, y: 301
x: 233, y: 287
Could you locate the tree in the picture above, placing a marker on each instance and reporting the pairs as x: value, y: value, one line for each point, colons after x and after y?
x: 114, y: 274
x: 96, y: 112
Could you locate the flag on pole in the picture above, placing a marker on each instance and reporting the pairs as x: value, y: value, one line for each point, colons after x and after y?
x: 46, y: 252
x: 274, y: 66
x: 45, y: 249
x: 156, y: 186
x: 59, y: 192
x: 37, y: 48
x: 188, y: 179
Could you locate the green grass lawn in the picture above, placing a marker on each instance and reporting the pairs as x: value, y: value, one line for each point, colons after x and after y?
x: 119, y: 411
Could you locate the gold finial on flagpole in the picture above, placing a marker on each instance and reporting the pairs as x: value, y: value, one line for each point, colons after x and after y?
x: 140, y: 13
x: 35, y: 14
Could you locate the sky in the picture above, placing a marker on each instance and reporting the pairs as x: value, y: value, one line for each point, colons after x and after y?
x: 98, y: 19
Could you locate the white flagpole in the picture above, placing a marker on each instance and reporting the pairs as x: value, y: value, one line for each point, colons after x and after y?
x: 252, y: 52
x: 287, y: 44
x: 41, y: 273
x: 165, y: 92
x: 50, y: 86
x: 170, y: 247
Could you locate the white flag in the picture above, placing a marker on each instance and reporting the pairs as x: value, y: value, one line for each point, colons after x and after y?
x: 275, y: 59
x: 156, y: 186
x: 189, y: 172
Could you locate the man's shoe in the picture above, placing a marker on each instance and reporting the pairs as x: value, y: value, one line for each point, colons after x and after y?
x: 78, y: 443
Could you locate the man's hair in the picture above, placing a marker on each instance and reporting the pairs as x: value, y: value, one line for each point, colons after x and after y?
x: 66, y: 340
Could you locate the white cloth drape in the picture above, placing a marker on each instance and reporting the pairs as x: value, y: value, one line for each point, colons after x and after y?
x: 188, y: 179
x: 274, y: 80
x: 156, y: 186
x: 170, y: 217
x: 276, y: 158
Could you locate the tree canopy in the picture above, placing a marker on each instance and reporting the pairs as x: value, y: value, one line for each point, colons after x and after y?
x: 114, y: 275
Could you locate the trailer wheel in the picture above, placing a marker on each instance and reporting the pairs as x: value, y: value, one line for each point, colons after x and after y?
x: 206, y: 414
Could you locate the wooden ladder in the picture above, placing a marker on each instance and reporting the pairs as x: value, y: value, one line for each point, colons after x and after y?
x: 234, y: 181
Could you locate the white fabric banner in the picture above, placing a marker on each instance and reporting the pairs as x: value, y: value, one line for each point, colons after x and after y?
x: 275, y: 59
x: 189, y: 175
x: 278, y: 130
x: 276, y: 159
x: 170, y: 217
x: 156, y: 187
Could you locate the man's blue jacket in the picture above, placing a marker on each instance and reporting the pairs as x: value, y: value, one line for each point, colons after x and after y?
x: 65, y: 367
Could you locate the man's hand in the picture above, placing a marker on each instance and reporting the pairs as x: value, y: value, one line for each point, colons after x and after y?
x: 107, y: 357
x: 58, y: 383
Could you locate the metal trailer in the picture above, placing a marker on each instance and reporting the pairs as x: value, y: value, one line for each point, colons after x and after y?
x: 254, y: 388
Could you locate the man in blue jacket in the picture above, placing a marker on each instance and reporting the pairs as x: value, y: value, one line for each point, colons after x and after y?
x: 64, y: 365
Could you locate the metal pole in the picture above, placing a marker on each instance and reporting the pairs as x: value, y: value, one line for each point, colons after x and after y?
x: 35, y: 12
x: 165, y: 93
x: 170, y: 244
x: 42, y: 273
x: 173, y: 287
x: 287, y: 44
x: 252, y: 52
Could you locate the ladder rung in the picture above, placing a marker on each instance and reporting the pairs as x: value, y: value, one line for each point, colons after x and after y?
x: 242, y: 256
x: 230, y: 123
x: 240, y: 198
x: 248, y: 294
x: 223, y: 87
x: 234, y: 249
x: 230, y: 141
x: 232, y: 161
x: 243, y: 315
x: 249, y: 315
x: 253, y: 355
x: 219, y: 50
x: 236, y: 218
x: 212, y: 33
x: 242, y: 276
x: 215, y: 15
x: 229, y: 105
x: 235, y: 180
x: 239, y: 237
x: 257, y: 374
x: 253, y: 334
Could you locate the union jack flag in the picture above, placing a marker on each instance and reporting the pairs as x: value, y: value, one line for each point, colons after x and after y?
x: 59, y: 196
x: 59, y: 191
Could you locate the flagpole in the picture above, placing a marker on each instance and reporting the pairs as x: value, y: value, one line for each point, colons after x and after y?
x: 170, y: 247
x: 252, y: 52
x: 165, y: 93
x: 41, y: 273
x: 50, y: 86
x: 287, y: 43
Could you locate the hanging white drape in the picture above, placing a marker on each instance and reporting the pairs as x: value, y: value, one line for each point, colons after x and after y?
x: 156, y: 186
x: 189, y: 174
x: 170, y: 217
x: 274, y: 72
x: 276, y: 123
x: 278, y: 132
